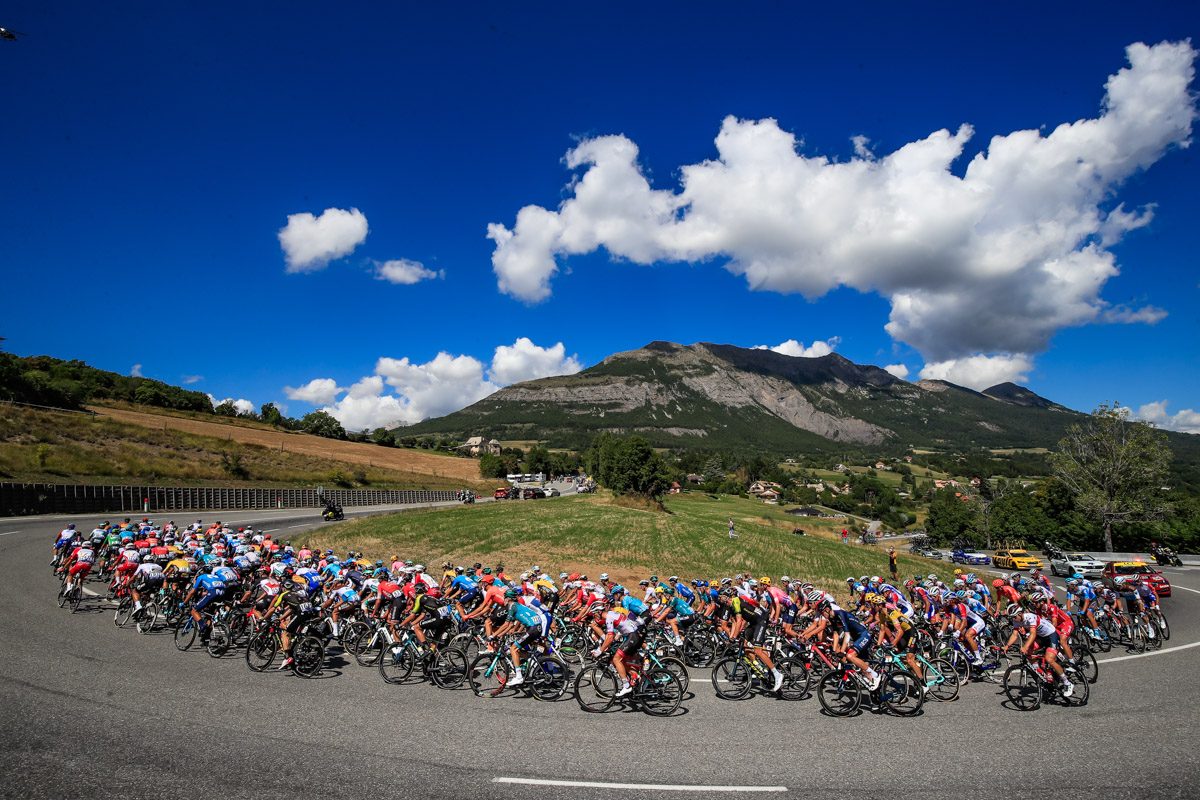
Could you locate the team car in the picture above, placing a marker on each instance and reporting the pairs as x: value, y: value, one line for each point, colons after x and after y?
x: 1068, y: 564
x: 1016, y: 559
x: 969, y: 555
x: 1139, y: 570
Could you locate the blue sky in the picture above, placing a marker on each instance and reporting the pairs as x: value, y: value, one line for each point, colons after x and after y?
x: 752, y: 176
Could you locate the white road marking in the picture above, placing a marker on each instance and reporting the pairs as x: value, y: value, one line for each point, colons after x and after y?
x: 1147, y: 655
x: 295, y: 526
x: 661, y: 787
x: 90, y: 593
x: 10, y: 533
x: 1186, y: 589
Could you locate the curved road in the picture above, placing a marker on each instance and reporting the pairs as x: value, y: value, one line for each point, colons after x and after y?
x: 89, y: 710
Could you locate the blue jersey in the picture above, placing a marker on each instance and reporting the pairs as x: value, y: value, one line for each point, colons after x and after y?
x: 525, y: 615
x: 681, y: 607
x: 850, y: 623
x: 633, y: 605
x: 685, y: 592
x: 1085, y: 593
x: 463, y: 582
x: 209, y: 583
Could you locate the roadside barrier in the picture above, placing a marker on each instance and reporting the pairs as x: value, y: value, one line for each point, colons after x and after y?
x: 20, y: 499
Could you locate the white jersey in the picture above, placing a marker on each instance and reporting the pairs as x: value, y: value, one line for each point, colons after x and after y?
x: 85, y: 555
x: 150, y: 571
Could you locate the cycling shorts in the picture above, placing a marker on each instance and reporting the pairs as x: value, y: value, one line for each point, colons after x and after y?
x: 788, y: 616
x: 978, y: 626
x: 126, y: 567
x: 469, y: 598
x: 1064, y: 630
x: 907, y: 641
x: 632, y: 643
x: 862, y: 643
x: 757, y: 632
x: 148, y: 582
x: 80, y: 568
x: 436, y: 625
x: 1051, y: 642
x: 532, y: 634
x: 209, y: 596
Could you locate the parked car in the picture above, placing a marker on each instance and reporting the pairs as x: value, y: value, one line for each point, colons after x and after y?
x: 1067, y: 564
x: 1140, y: 570
x: 969, y: 555
x: 930, y: 552
x: 501, y: 493
x: 533, y: 494
x: 552, y: 492
x: 1016, y: 559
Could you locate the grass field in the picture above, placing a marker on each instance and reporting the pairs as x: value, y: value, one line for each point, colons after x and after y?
x: 591, y: 534
x: 43, y: 446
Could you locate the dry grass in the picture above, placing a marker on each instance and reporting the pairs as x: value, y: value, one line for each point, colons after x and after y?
x: 413, y: 462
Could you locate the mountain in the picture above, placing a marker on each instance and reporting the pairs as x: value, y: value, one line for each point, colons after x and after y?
x: 1019, y: 396
x: 719, y: 396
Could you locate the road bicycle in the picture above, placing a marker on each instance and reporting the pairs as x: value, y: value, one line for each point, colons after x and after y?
x: 1029, y: 684
x: 546, y: 677
x: 842, y: 691
x: 942, y: 681
x: 308, y: 649
x: 656, y: 691
x: 735, y: 675
x: 445, y: 666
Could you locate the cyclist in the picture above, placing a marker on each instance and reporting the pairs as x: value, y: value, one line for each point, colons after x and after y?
x: 966, y: 621
x: 148, y: 577
x: 297, y: 611
x: 209, y: 588
x: 429, y: 615
x: 851, y: 638
x: 750, y: 615
x: 896, y: 627
x: 65, y: 537
x: 536, y: 623
x: 1042, y: 633
x: 618, y: 622
x: 78, y: 564
x: 343, y: 598
x: 1077, y: 588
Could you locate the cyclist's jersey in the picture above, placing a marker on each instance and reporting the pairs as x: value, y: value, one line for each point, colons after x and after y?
x: 1058, y: 617
x: 524, y: 615
x: 963, y: 611
x: 347, y: 594
x: 390, y: 589
x: 633, y: 605
x: 1147, y: 594
x: 779, y: 596
x: 149, y: 572
x: 976, y: 605
x: 685, y: 592
x: 209, y: 583
x: 1084, y: 592
x: 430, y: 607
x: 849, y: 623
x: 356, y: 577
x: 65, y: 535
x: 331, y: 570
x: 269, y: 586
x: 899, y: 619
x: 618, y: 622
x: 243, y: 563
x: 1029, y: 620
x: 226, y: 574
x: 464, y: 583
x: 1008, y: 593
x: 681, y: 607
x: 130, y: 556
x: 84, y: 555
x: 494, y: 595
x: 744, y: 606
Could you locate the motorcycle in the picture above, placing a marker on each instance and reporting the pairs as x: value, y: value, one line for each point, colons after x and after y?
x: 1166, y: 557
x: 333, y: 514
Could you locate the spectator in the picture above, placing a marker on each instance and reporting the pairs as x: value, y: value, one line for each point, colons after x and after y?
x: 845, y: 536
x: 732, y: 535
x: 892, y: 566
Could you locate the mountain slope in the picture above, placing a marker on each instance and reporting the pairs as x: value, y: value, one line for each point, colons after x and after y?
x: 725, y: 397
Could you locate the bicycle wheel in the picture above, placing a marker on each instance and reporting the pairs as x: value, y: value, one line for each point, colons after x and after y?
x: 659, y: 693
x: 76, y: 598
x: 397, y: 663
x: 731, y: 678
x: 571, y: 645
x: 352, y: 632
x: 839, y: 693
x: 488, y: 674
x: 699, y: 650
x: 173, y: 614
x: 449, y: 668
x: 941, y: 680
x: 1164, y: 628
x: 123, y: 613
x: 901, y: 692
x: 260, y: 650
x: 1023, y: 687
x: 548, y: 678
x: 62, y: 596
x: 1079, y: 694
x: 958, y: 659
x: 1085, y: 668
x: 596, y: 688
x: 1111, y: 629
x: 676, y: 668
x: 467, y: 644
x: 367, y: 647
x: 185, y: 634
x: 308, y: 656
x: 219, y: 640
x: 148, y: 618
x: 995, y: 664
x: 1137, y: 637
x: 923, y: 640
x: 796, y: 680
x: 1154, y: 639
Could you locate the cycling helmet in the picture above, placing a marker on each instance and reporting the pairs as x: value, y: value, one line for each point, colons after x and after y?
x: 971, y: 576
x: 146, y: 559
x: 1077, y: 576
x: 654, y: 577
x: 859, y: 588
x: 421, y: 588
x: 764, y: 581
x: 815, y: 596
x: 290, y: 585
x: 379, y: 563
x: 960, y: 594
x: 617, y: 589
x: 661, y: 590
x: 910, y: 585
x: 487, y: 570
x: 785, y: 579
x: 850, y: 581
x: 1119, y: 581
x: 875, y: 599
x: 958, y: 572
x: 673, y: 578
x: 71, y: 526
x: 806, y: 587
x: 997, y: 583
x: 874, y: 580
x: 447, y: 565
x: 562, y: 576
x: 535, y: 569
x: 574, y: 576
x: 958, y: 584
x: 865, y: 579
x: 1072, y: 582
x: 931, y: 576
x: 1012, y: 610
x: 752, y: 583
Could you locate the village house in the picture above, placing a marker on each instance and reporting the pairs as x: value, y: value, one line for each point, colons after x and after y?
x: 476, y: 445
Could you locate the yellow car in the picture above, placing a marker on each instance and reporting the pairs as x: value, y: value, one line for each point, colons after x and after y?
x: 1015, y: 559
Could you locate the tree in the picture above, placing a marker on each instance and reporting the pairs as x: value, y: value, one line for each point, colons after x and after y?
x: 320, y: 423
x: 492, y: 466
x: 1115, y: 468
x: 271, y: 415
x: 226, y: 409
x: 950, y: 517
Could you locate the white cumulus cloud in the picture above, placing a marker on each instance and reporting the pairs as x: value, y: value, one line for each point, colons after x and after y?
x: 899, y: 370
x: 404, y: 391
x: 309, y: 243
x: 405, y: 272
x: 980, y: 372
x: 794, y: 348
x: 317, y: 392
x: 135, y: 371
x: 523, y: 361
x: 1185, y: 421
x: 993, y: 262
x: 242, y: 405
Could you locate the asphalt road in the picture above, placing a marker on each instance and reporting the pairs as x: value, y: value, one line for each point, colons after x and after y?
x: 89, y: 710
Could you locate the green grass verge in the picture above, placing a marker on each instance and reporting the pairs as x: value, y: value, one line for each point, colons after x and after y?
x: 593, y: 534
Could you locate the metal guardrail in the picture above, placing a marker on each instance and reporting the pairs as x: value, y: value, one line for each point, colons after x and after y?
x: 88, y: 412
x: 20, y: 499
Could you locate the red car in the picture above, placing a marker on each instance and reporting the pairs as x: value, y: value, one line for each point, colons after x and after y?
x: 500, y: 494
x: 1140, y: 570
